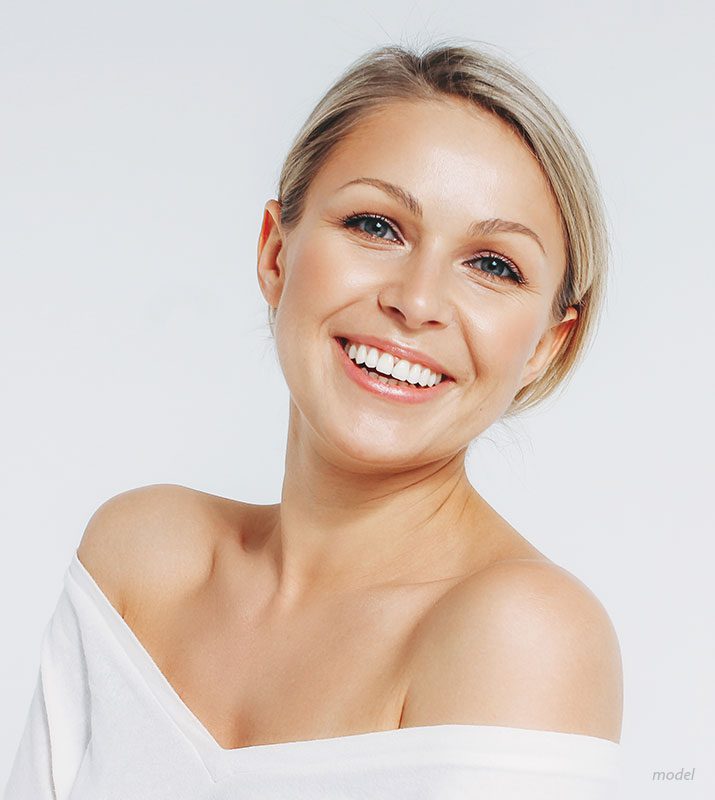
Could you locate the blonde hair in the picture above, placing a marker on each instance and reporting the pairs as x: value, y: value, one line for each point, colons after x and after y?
x: 394, y: 72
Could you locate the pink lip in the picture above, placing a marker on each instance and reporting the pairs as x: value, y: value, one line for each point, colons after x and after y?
x: 404, y: 394
x: 398, y: 350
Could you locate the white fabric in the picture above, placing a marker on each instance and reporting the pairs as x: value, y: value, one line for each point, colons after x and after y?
x: 105, y: 724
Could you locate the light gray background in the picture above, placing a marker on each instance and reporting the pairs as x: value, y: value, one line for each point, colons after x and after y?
x: 140, y: 141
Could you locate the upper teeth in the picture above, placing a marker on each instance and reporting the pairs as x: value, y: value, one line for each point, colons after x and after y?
x: 387, y: 364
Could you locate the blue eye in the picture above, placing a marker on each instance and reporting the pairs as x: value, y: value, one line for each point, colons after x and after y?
x: 376, y: 225
x: 494, y: 265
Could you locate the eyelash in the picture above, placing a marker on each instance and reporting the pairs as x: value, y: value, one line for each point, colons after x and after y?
x: 517, y: 276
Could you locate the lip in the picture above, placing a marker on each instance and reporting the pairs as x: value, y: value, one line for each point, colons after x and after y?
x: 400, y: 351
x: 403, y: 394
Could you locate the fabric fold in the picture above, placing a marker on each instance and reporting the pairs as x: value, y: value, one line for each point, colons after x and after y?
x: 105, y: 724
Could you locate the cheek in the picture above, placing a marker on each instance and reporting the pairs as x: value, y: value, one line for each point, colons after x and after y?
x: 503, y: 339
x: 316, y: 277
x: 314, y: 290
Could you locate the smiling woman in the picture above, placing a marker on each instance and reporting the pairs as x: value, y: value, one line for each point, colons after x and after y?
x: 437, y: 258
x: 519, y: 114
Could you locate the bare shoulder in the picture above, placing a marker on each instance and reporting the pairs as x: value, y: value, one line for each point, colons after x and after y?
x: 523, y: 644
x: 148, y: 542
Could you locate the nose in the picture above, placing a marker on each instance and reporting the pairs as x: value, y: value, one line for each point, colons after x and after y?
x: 417, y: 294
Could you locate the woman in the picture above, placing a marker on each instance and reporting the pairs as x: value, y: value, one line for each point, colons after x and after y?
x: 435, y: 261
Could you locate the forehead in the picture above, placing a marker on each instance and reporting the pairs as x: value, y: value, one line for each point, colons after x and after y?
x: 459, y: 160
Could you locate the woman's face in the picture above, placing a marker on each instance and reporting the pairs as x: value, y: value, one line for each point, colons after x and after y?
x: 425, y: 272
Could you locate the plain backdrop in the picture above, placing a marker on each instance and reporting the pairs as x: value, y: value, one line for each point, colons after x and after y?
x: 139, y: 143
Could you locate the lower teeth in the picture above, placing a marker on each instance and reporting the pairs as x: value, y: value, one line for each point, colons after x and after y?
x: 391, y: 381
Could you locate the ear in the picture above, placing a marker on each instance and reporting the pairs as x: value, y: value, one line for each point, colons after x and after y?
x: 271, y: 273
x: 548, y: 347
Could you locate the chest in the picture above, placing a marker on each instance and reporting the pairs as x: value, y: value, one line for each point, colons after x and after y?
x: 336, y: 671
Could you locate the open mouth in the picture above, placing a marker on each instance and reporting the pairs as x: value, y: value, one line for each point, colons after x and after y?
x: 413, y: 378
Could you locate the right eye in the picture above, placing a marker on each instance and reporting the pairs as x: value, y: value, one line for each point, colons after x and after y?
x: 375, y: 225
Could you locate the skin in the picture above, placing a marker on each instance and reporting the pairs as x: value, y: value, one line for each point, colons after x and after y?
x: 382, y: 591
x: 358, y: 466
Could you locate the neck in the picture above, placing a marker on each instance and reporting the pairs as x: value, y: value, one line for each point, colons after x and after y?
x: 344, y: 526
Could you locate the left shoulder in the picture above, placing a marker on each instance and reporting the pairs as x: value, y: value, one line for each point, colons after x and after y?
x: 523, y: 644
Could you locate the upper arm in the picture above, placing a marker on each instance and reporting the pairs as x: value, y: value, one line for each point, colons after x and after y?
x: 525, y: 645
x: 143, y: 542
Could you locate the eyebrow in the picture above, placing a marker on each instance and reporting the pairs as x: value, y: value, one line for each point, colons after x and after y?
x: 480, y: 227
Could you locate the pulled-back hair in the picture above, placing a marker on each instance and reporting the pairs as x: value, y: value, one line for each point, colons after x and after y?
x: 394, y: 72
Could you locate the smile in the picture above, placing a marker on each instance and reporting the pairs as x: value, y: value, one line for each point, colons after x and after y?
x: 389, y: 376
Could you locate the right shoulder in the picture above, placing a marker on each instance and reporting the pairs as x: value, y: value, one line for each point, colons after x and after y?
x: 148, y: 543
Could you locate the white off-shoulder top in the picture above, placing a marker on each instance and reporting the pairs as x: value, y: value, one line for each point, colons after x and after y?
x: 104, y: 723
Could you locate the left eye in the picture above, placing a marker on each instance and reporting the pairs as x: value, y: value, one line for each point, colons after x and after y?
x: 374, y: 225
x: 495, y: 265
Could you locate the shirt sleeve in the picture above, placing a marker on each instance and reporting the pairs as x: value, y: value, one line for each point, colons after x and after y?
x: 57, y: 729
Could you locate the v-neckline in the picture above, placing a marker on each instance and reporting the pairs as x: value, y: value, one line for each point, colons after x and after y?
x: 221, y: 762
